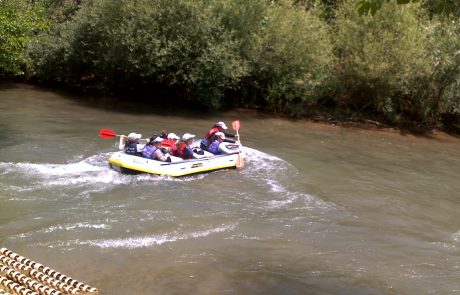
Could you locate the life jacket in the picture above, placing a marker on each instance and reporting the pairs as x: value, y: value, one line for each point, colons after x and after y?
x: 214, y: 147
x: 168, y: 143
x: 173, y: 150
x: 204, y: 144
x: 210, y: 134
x: 180, y: 152
x: 131, y: 149
x: 147, y: 151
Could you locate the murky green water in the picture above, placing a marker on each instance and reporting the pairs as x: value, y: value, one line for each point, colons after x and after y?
x: 315, y: 211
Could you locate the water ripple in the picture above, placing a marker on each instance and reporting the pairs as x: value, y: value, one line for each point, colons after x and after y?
x: 144, y: 241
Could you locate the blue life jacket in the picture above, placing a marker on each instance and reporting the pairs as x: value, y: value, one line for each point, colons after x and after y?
x: 147, y: 151
x: 214, y: 147
x: 131, y: 149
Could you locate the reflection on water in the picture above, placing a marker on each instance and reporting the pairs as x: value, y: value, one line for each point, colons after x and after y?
x: 316, y: 210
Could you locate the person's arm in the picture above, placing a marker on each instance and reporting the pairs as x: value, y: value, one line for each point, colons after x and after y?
x: 121, y: 145
x: 173, y: 150
x: 230, y: 135
x: 140, y: 147
x: 189, y: 154
x: 160, y: 156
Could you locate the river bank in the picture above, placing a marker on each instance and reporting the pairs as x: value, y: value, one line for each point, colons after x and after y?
x: 333, y: 122
x: 317, y: 119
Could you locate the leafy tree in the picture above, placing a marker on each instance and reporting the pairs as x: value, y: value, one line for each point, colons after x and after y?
x: 445, y: 79
x: 328, y: 7
x: 434, y: 7
x: 291, y: 60
x: 402, y: 63
x: 60, y: 10
x: 384, y: 62
x: 180, y: 46
x: 20, y: 21
x: 205, y: 52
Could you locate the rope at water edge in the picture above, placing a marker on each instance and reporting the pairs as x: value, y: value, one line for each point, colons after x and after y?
x: 50, y: 276
x: 29, y: 282
x: 14, y: 264
x: 15, y: 287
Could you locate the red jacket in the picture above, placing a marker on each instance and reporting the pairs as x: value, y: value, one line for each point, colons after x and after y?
x: 185, y: 152
x: 210, y: 135
x: 168, y: 143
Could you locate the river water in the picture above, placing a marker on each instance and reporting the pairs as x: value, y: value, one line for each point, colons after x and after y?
x: 316, y: 210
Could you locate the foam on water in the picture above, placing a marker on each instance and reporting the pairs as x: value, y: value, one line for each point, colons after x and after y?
x: 276, y: 174
x: 76, y: 226
x: 68, y: 227
x: 266, y: 168
x: 144, y: 241
x: 92, y: 170
x: 456, y: 236
x: 92, y: 174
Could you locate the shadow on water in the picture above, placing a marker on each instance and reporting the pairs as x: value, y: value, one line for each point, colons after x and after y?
x: 5, y: 135
x: 402, y: 129
x: 248, y: 277
x: 139, y: 104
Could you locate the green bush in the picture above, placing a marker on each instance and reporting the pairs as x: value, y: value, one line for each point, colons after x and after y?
x: 400, y: 64
x: 200, y: 51
x: 291, y: 60
x: 19, y: 22
x: 180, y: 45
x: 445, y: 79
x: 384, y: 62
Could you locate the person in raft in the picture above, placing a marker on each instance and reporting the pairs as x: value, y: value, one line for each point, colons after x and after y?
x: 152, y: 150
x: 164, y: 134
x: 170, y: 143
x: 209, y: 137
x: 130, y: 144
x: 218, y: 146
x: 184, y: 150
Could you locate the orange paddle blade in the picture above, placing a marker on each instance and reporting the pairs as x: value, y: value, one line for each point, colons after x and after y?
x: 107, y: 133
x: 236, y: 125
x: 240, y: 161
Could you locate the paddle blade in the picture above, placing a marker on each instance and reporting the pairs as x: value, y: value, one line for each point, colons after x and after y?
x: 236, y: 125
x: 240, y: 161
x: 107, y: 133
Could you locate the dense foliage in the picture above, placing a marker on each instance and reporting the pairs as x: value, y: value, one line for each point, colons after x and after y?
x: 432, y: 7
x: 384, y: 63
x: 19, y: 22
x: 399, y: 63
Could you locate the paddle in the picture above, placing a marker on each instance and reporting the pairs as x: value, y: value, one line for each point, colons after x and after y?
x: 107, y: 133
x: 236, y: 127
x: 240, y: 161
